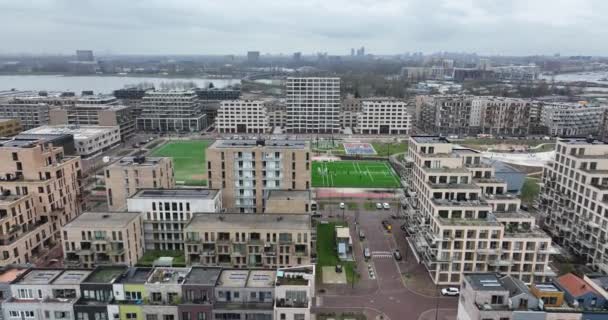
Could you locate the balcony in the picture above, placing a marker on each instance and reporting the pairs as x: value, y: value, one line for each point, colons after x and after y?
x: 489, y: 250
x: 289, y: 303
x: 500, y: 262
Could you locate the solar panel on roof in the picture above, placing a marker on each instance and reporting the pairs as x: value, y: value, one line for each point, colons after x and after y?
x: 491, y: 284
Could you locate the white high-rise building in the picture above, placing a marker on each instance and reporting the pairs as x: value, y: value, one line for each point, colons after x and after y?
x: 313, y: 105
x: 384, y: 116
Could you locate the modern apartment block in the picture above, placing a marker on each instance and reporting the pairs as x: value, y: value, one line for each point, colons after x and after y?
x: 129, y: 174
x: 96, y: 115
x: 568, y: 119
x: 246, y: 170
x: 101, y: 238
x: 503, y: 116
x: 384, y: 116
x: 9, y: 127
x: 277, y: 113
x: 350, y: 108
x: 161, y: 293
x: 242, y: 116
x: 446, y: 114
x: 289, y: 202
x: 574, y: 198
x: 313, y: 105
x: 89, y: 141
x: 465, y: 221
x: 248, y: 241
x: 171, y: 111
x: 30, y: 115
x: 41, y: 186
x: 167, y: 211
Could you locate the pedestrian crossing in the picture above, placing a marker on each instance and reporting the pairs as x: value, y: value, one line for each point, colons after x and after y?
x: 381, y: 254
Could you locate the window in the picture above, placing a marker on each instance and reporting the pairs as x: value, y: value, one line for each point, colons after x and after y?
x: 101, y: 316
x: 61, y: 315
x: 132, y: 295
x: 82, y: 316
x: 186, y: 316
x: 131, y: 315
x: 25, y: 294
x: 152, y: 317
x: 201, y: 316
x: 497, y: 299
x: 168, y: 317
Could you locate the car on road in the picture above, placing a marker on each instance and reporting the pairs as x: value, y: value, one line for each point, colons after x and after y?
x: 387, y: 225
x: 361, y: 235
x: 386, y: 206
x: 378, y: 205
x: 397, y: 255
x: 342, y: 205
x: 315, y: 214
x: 338, y: 268
x: 451, y: 291
x: 366, y: 253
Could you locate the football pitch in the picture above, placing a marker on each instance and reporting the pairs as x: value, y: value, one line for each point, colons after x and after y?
x: 188, y: 160
x: 354, y: 174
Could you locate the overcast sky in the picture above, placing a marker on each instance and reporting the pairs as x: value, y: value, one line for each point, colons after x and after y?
x: 507, y: 27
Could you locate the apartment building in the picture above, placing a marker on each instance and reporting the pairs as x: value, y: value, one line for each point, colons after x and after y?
x: 36, y: 174
x: 350, y: 108
x: 166, y: 212
x: 171, y: 111
x: 124, y: 177
x: 246, y: 170
x: 9, y: 127
x: 294, y: 291
x: 384, y: 116
x: 289, y: 202
x: 89, y: 141
x: 574, y: 198
x: 253, y: 240
x: 313, y: 105
x: 447, y: 114
x: 8, y: 274
x: 242, y: 116
x: 277, y: 113
x: 44, y: 294
x: 161, y: 293
x: 99, y: 238
x: 502, y: 116
x: 570, y: 119
x: 489, y: 296
x: 106, y: 115
x: 465, y: 221
x: 30, y: 115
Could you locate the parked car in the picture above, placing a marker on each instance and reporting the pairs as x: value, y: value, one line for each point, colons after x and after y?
x: 338, y: 268
x: 451, y: 291
x: 378, y: 205
x: 397, y: 255
x: 315, y: 214
x: 366, y: 253
x: 361, y: 235
x: 342, y: 205
x: 386, y: 206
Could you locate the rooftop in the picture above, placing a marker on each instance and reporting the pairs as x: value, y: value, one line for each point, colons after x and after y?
x: 261, y: 278
x: 203, y: 276
x: 272, y: 144
x: 430, y: 139
x: 231, y: 221
x: 575, y: 286
x: 247, y: 278
x: 72, y: 276
x: 136, y: 276
x: 105, y: 274
x: 546, y: 287
x: 137, y: 161
x: 186, y: 193
x: 484, y: 281
x: 79, y: 132
x: 233, y: 278
x: 581, y: 141
x: 10, y: 273
x: 168, y: 275
x: 103, y: 220
x: 40, y: 276
x: 342, y: 232
x: 288, y: 194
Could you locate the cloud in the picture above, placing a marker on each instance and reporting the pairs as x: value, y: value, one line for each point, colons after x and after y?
x: 235, y: 26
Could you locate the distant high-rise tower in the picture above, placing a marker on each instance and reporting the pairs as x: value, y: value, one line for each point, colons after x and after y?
x: 85, y: 55
x: 253, y: 56
x: 484, y: 64
x: 313, y: 105
x: 352, y: 52
x: 297, y: 56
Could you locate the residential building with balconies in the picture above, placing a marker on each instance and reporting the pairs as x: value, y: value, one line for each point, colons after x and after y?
x: 574, y: 198
x: 247, y: 170
x: 248, y: 241
x: 97, y: 294
x: 198, y: 293
x: 244, y: 294
x: 242, y: 116
x: 384, y: 116
x: 102, y: 238
x: 294, y: 292
x: 462, y: 220
x: 313, y: 105
x: 165, y: 212
x: 130, y: 174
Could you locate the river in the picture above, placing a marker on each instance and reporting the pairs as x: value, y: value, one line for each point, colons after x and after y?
x: 99, y: 84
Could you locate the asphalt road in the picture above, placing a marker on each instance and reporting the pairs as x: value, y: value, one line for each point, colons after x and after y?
x: 387, y: 295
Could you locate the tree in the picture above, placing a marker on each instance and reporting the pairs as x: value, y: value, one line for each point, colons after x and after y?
x: 211, y: 86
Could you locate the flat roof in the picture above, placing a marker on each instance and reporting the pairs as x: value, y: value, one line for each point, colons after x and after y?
x: 342, y: 232
x: 168, y: 275
x: 233, y: 278
x: 72, y: 276
x: 105, y: 274
x: 137, y: 161
x: 19, y: 143
x: 581, y: 141
x: 203, y: 276
x: 289, y: 194
x: 79, y: 132
x: 10, y: 273
x: 484, y: 281
x: 136, y: 275
x: 228, y: 221
x: 430, y: 139
x: 546, y: 287
x: 186, y: 193
x: 40, y: 276
x: 261, y: 278
x: 272, y: 144
x: 103, y: 220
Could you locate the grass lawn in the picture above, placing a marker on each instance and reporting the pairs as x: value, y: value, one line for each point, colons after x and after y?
x: 327, y: 254
x: 529, y: 191
x: 354, y: 174
x: 188, y: 159
x: 385, y: 149
x: 148, y: 259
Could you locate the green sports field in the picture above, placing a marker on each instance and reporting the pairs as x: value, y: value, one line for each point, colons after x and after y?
x: 188, y: 159
x: 354, y: 174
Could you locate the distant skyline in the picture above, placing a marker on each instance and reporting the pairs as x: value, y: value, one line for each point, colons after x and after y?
x: 488, y: 27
